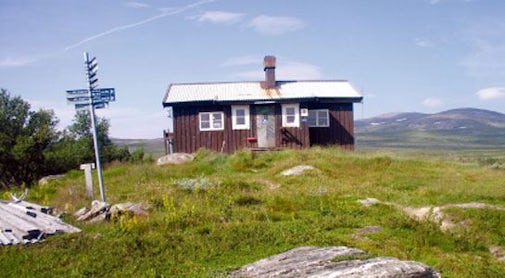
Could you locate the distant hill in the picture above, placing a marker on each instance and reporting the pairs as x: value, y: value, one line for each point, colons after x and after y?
x: 152, y: 147
x: 463, y: 128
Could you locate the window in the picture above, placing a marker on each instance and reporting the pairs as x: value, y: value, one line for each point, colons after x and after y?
x: 291, y: 115
x: 240, y: 116
x: 318, y: 118
x: 211, y: 121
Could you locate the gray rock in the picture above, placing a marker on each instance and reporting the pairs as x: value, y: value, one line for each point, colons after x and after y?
x: 175, y: 158
x: 81, y: 212
x: 97, y: 208
x: 369, y: 202
x: 129, y: 207
x: 101, y: 211
x: 297, y: 170
x: 325, y: 262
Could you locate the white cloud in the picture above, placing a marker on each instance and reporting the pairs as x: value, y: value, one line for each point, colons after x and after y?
x: 433, y: 102
x: 491, y: 93
x: 423, y: 42
x: 16, y: 62
x: 276, y: 25
x: 136, y: 5
x: 164, y: 13
x: 219, y: 17
x: 243, y: 60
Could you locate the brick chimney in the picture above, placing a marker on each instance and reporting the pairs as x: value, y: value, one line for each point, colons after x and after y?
x: 269, y: 67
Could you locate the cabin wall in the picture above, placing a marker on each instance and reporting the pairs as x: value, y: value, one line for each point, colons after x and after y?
x: 341, y: 130
x: 188, y: 138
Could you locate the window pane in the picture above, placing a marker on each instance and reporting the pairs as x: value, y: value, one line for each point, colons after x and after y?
x: 322, y: 122
x: 322, y: 113
x: 204, y: 125
x: 204, y: 116
x: 240, y: 112
x: 217, y: 120
x: 323, y: 118
x: 240, y: 120
x: 312, y: 119
x: 290, y: 119
x: 290, y: 110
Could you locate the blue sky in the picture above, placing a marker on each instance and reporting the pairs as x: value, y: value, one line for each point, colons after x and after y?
x: 402, y: 55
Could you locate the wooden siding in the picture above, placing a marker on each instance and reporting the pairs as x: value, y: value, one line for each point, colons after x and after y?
x: 341, y: 129
x: 188, y: 138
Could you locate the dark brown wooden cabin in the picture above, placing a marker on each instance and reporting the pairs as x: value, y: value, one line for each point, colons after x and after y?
x: 270, y: 114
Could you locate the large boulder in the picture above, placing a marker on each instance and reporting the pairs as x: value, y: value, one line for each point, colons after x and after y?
x: 297, y: 170
x: 332, y: 262
x: 175, y: 158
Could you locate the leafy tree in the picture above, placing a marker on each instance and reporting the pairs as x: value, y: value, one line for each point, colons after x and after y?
x: 24, y: 137
x: 31, y: 147
x: 76, y: 145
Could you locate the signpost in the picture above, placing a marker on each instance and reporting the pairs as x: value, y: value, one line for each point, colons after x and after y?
x: 92, y: 98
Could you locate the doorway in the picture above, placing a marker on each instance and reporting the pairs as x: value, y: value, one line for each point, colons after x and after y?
x: 265, y: 126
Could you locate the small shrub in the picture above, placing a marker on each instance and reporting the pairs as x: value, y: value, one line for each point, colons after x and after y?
x: 247, y: 201
x: 195, y: 185
x: 137, y: 155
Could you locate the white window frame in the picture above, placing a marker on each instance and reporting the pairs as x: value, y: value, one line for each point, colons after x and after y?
x: 317, y: 117
x: 235, y: 117
x: 285, y: 116
x: 212, y: 116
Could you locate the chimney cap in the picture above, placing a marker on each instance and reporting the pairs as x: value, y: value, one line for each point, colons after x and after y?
x: 269, y: 61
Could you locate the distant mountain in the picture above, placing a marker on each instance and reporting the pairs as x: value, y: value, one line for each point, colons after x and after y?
x: 464, y: 128
x: 153, y: 147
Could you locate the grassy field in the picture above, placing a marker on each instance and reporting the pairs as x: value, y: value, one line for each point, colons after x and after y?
x: 220, y: 212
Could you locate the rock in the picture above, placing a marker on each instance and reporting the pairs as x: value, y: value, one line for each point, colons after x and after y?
x: 366, y: 231
x: 47, y: 179
x: 497, y: 252
x: 324, y: 262
x: 297, y: 170
x: 129, y: 207
x: 97, y: 208
x: 101, y: 211
x: 81, y: 212
x: 175, y: 158
x: 369, y: 201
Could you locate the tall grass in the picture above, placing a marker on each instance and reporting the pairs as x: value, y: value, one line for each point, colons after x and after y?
x: 222, y: 211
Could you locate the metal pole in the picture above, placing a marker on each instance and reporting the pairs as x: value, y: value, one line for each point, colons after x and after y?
x: 95, y: 136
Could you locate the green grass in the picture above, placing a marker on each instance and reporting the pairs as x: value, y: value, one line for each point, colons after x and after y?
x: 220, y: 212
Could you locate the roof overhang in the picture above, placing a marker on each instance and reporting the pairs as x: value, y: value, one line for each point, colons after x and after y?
x: 263, y: 101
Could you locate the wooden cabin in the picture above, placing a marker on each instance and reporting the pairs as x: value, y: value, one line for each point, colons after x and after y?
x: 262, y: 115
